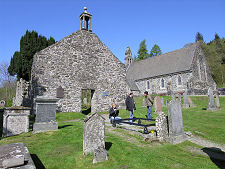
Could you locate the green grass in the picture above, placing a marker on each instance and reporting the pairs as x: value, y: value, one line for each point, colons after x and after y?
x: 62, y: 149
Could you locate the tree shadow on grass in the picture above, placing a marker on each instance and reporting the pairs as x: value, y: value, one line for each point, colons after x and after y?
x: 108, y: 145
x: 87, y: 111
x: 216, y: 155
x: 37, y: 162
x: 61, y: 127
x: 204, y: 108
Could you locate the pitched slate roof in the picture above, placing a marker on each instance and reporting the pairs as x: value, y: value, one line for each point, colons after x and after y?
x: 168, y: 63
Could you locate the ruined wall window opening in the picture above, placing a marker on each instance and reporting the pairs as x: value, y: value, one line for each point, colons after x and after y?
x: 148, y: 85
x: 179, y: 80
x: 86, y: 99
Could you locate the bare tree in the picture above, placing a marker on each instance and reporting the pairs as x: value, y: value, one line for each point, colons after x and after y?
x: 6, y: 80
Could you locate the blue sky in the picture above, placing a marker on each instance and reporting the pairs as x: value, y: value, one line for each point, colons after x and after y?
x: 119, y: 23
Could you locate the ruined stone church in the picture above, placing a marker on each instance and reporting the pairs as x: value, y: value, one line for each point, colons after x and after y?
x: 176, y: 71
x: 77, y: 62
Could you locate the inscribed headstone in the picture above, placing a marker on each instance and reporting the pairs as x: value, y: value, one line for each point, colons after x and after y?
x: 94, y: 133
x: 158, y: 104
x: 211, y: 105
x: 185, y: 100
x: 60, y: 92
x: 175, y: 120
x: 45, y: 115
x: 162, y: 101
x: 217, y: 100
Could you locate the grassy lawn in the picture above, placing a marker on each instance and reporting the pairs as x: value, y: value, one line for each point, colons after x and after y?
x: 62, y: 149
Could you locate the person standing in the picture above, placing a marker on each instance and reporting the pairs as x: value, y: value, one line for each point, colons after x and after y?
x: 149, y: 103
x: 130, y: 105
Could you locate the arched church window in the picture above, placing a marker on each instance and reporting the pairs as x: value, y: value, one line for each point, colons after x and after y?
x: 148, y: 85
x: 179, y: 80
x: 162, y: 83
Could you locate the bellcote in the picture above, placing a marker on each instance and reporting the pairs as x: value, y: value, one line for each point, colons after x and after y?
x: 85, y: 20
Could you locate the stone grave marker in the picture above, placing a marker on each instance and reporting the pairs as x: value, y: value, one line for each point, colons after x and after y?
x: 211, y: 105
x: 60, y: 92
x: 158, y: 104
x: 15, y: 120
x: 85, y: 101
x: 162, y: 102
x: 1, y: 122
x: 161, y: 127
x: 185, y: 100
x: 15, y: 155
x: 143, y: 103
x: 217, y: 100
x: 94, y: 133
x: 100, y: 154
x: 2, y: 103
x: 175, y: 121
x: 45, y: 115
x: 167, y: 102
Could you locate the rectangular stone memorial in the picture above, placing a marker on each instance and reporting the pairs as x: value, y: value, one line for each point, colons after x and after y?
x: 162, y: 102
x: 175, y: 122
x: 45, y: 115
x: 185, y: 100
x: 211, y: 105
x: 1, y: 122
x: 15, y: 120
x: 94, y: 133
x: 15, y: 155
x: 158, y: 104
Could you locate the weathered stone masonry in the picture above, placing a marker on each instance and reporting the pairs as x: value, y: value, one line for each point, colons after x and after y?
x: 79, y: 61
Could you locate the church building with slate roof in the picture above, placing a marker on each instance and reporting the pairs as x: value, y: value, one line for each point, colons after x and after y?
x: 177, y: 71
x: 79, y: 62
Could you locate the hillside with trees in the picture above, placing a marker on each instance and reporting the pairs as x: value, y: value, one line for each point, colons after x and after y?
x: 215, y: 55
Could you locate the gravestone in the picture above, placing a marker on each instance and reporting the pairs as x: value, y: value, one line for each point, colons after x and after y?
x: 217, y: 100
x: 94, y: 133
x: 45, y: 115
x: 2, y: 103
x: 15, y: 120
x: 158, y: 104
x: 15, y: 155
x: 175, y: 121
x: 1, y: 122
x: 161, y: 127
x: 100, y: 154
x: 185, y: 100
x: 85, y: 101
x: 167, y: 102
x: 60, y: 92
x: 211, y: 105
x: 162, y: 102
x: 143, y: 103
x: 190, y: 102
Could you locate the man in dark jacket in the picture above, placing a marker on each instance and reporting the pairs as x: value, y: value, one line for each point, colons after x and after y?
x: 130, y: 104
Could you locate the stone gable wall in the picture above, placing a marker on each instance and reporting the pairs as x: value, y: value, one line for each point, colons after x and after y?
x: 79, y: 61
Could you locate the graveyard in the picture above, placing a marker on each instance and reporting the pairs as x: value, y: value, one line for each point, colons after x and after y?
x: 63, y: 148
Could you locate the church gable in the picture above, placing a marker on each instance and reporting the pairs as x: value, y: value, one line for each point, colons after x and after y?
x: 80, y: 61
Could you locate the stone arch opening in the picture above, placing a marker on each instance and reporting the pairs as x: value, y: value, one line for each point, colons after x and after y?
x: 86, y: 100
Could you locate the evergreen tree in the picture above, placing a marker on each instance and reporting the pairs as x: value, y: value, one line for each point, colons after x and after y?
x: 21, y: 62
x: 155, y: 51
x: 198, y: 37
x: 142, y: 52
x: 216, y: 36
x: 51, y: 41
